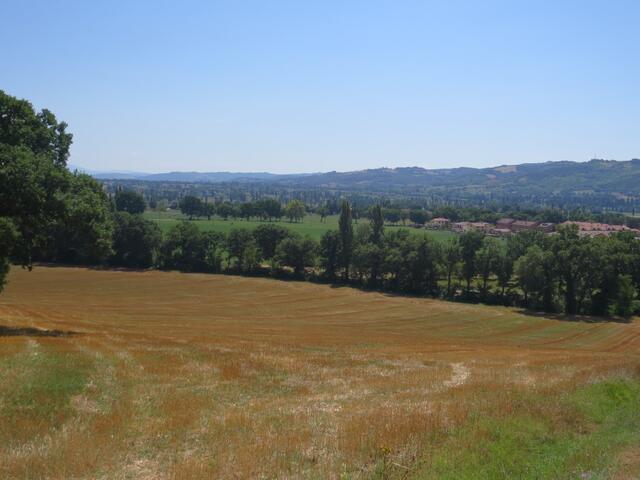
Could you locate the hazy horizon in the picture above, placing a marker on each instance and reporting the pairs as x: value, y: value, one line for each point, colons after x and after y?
x: 298, y: 88
x: 144, y: 172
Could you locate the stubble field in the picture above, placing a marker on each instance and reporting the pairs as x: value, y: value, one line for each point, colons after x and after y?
x: 168, y: 375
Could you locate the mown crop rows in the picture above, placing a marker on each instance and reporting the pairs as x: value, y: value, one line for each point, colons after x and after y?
x: 168, y: 375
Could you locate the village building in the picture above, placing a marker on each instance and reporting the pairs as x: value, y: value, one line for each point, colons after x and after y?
x: 500, y: 232
x: 439, y: 222
x: 505, y: 223
x: 481, y: 226
x: 522, y: 225
x: 595, y: 229
x: 461, y: 227
x: 547, y: 227
x: 468, y: 226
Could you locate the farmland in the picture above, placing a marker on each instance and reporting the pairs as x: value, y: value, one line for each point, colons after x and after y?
x: 311, y: 225
x: 168, y: 375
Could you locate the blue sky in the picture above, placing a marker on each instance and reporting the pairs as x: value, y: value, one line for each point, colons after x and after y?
x: 307, y: 86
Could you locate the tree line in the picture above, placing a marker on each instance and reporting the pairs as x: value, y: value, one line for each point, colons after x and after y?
x: 267, y: 209
x: 466, y: 205
x: 563, y: 273
x: 270, y: 209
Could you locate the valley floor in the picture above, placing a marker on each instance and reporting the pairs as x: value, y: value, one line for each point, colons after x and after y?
x: 168, y: 375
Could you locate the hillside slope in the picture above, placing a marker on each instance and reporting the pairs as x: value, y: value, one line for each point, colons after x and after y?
x: 551, y: 177
x: 166, y: 375
x: 537, y: 179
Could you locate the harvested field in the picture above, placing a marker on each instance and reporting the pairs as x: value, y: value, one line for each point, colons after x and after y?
x: 111, y: 374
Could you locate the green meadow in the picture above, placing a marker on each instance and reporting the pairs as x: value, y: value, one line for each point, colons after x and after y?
x: 311, y: 225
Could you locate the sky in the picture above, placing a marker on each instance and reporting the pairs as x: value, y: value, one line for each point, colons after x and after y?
x: 309, y: 86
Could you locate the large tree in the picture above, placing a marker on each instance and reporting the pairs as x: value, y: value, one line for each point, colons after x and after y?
x: 419, y: 217
x: 345, y: 224
x: 129, y: 201
x: 530, y: 273
x: 242, y: 246
x: 186, y: 248
x: 268, y: 237
x: 470, y: 243
x: 486, y: 259
x: 38, y: 133
x: 297, y: 252
x: 191, y: 206
x: 330, y: 253
x: 84, y: 230
x: 450, y: 259
x: 377, y: 225
x: 295, y: 210
x: 503, y: 268
x: 135, y: 241
x: 420, y: 257
x: 208, y: 210
x: 269, y: 209
x: 8, y: 236
x: 568, y: 252
x: 38, y: 194
x: 371, y: 254
x: 625, y: 303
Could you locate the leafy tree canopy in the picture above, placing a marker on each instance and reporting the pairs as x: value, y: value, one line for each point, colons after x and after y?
x: 129, y: 201
x: 39, y: 198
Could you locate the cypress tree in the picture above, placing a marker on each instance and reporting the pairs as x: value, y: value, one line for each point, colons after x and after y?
x: 346, y: 237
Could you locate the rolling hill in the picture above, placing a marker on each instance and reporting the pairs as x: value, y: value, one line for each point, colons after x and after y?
x: 592, y: 176
x: 601, y: 183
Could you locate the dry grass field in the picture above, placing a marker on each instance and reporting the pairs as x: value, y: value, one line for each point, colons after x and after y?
x: 167, y: 375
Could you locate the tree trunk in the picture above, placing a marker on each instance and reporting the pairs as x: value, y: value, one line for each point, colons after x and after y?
x: 570, y: 296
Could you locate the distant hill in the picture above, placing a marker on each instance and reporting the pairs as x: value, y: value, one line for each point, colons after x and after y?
x: 114, y: 175
x: 551, y: 177
x: 533, y: 179
x: 192, y: 177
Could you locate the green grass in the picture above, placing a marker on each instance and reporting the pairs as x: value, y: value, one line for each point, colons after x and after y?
x: 311, y: 225
x: 37, y: 387
x: 579, y: 437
